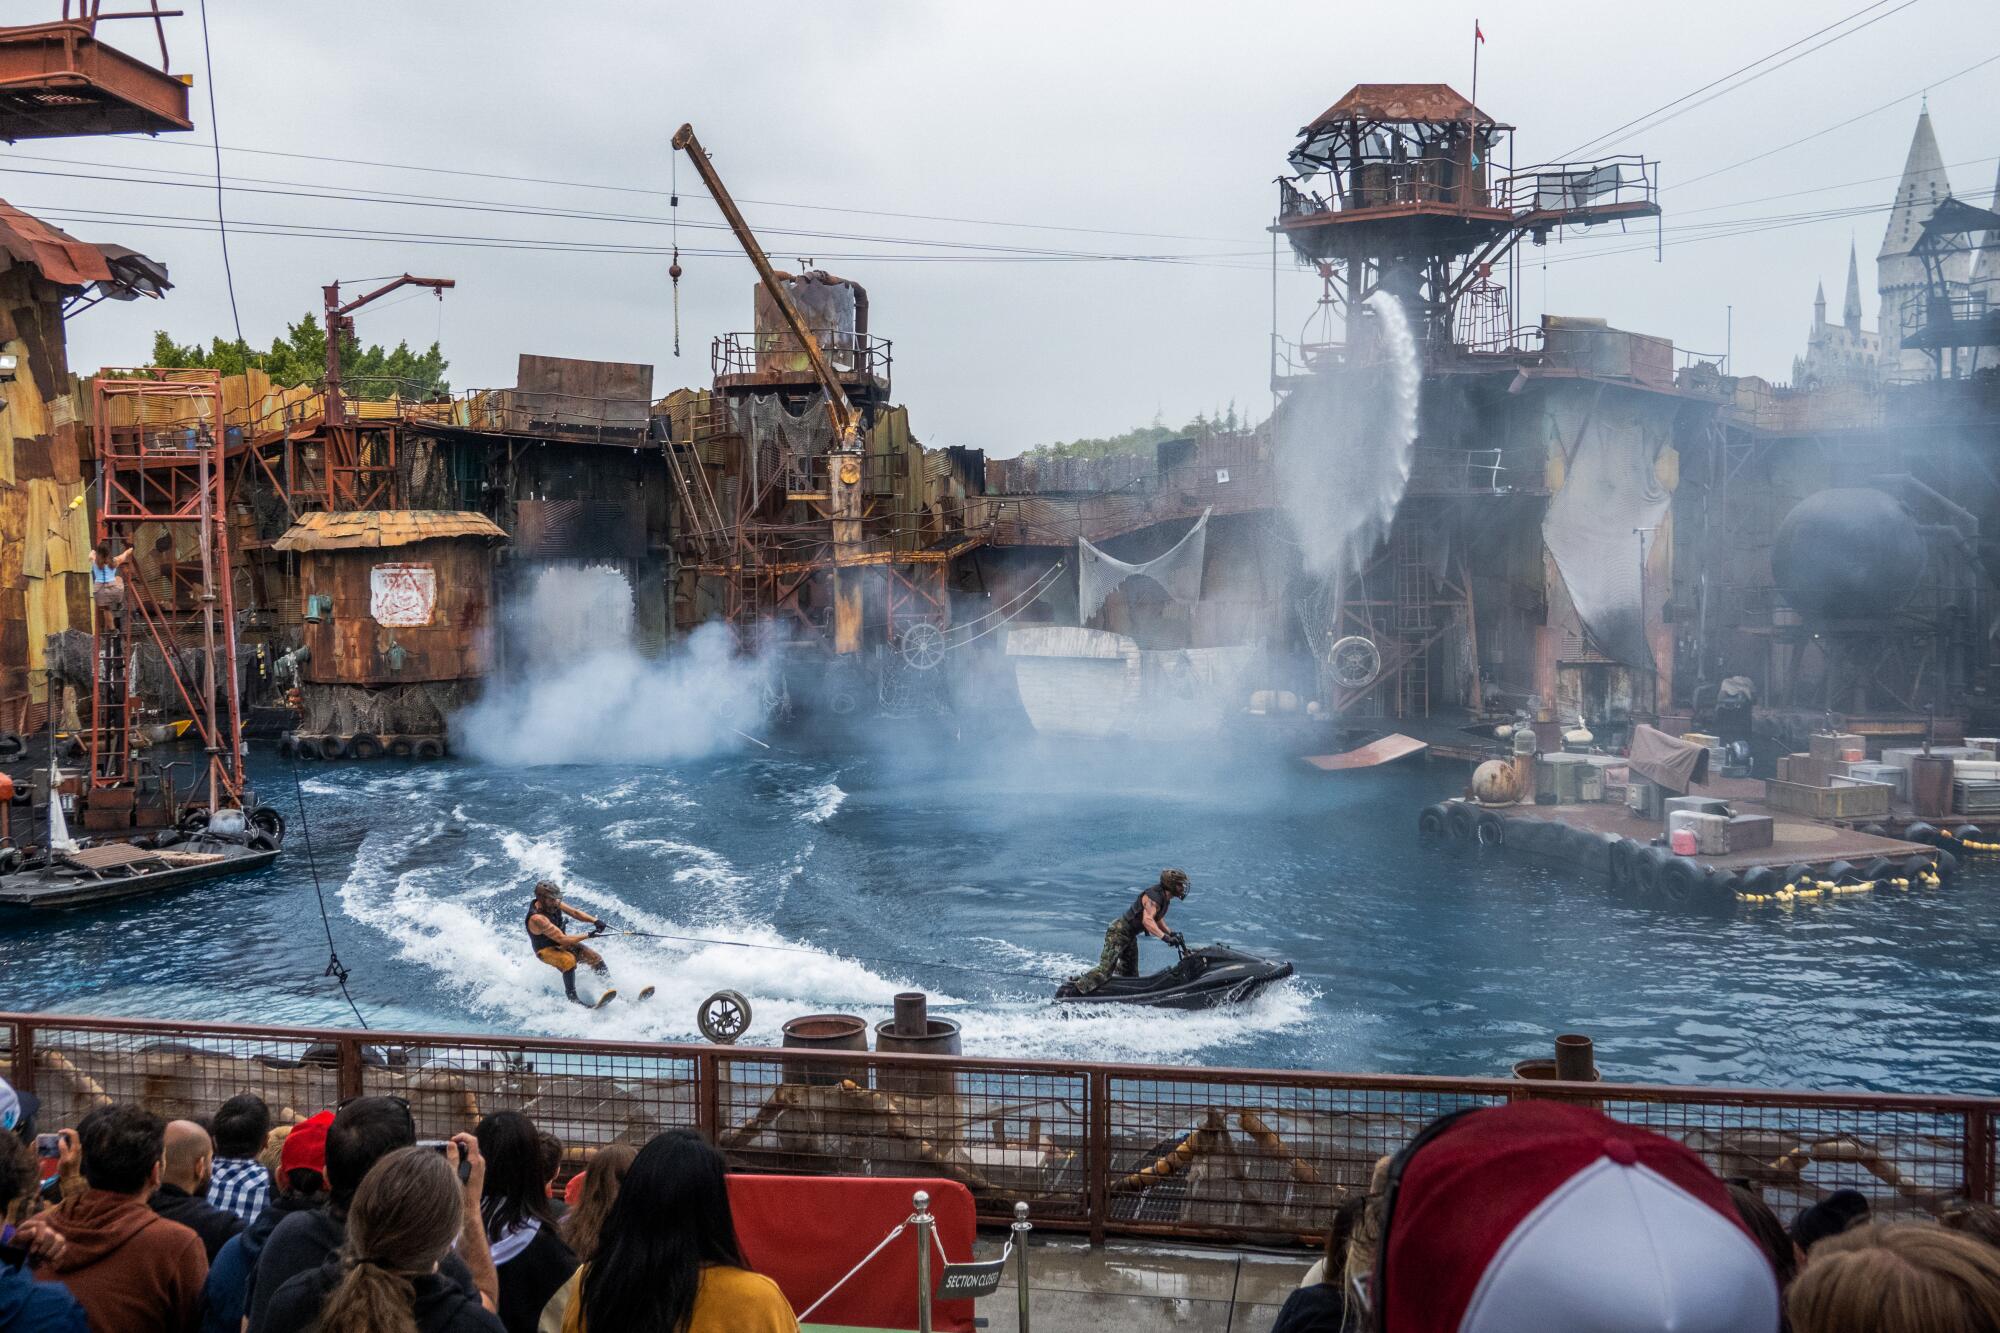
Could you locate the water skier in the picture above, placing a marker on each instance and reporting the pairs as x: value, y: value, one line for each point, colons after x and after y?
x: 559, y: 949
x: 1147, y: 913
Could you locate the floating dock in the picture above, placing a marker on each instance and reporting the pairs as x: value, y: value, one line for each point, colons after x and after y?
x: 1805, y: 858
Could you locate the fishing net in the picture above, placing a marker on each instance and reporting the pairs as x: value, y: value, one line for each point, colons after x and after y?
x: 398, y: 710
x: 1178, y: 571
x: 781, y: 439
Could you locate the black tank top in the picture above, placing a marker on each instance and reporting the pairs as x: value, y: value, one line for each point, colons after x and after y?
x: 537, y: 943
x: 1135, y: 915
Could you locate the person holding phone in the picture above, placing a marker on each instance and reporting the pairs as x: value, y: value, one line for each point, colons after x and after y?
x: 364, y: 1131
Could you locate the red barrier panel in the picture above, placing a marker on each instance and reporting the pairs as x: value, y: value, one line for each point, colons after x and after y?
x: 805, y: 1232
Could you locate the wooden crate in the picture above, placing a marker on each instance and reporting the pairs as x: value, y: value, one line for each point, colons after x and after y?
x: 1796, y: 798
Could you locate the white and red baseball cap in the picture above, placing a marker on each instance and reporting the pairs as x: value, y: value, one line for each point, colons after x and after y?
x: 1541, y: 1215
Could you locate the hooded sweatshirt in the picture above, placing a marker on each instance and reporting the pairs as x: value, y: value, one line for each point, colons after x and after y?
x: 127, y: 1266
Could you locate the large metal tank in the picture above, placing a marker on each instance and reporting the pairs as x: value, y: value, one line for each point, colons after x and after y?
x: 1846, y: 553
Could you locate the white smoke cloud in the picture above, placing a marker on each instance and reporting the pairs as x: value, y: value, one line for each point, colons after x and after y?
x: 582, y: 694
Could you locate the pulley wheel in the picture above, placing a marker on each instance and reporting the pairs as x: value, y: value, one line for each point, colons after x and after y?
x: 724, y: 1016
x: 923, y: 646
x: 1354, y: 661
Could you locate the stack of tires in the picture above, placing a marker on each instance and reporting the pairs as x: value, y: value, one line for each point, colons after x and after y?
x: 361, y: 746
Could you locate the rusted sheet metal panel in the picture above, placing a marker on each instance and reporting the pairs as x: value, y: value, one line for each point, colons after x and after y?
x: 1401, y: 102
x: 420, y: 613
x: 613, y: 527
x: 61, y: 81
x: 372, y: 529
x: 559, y: 392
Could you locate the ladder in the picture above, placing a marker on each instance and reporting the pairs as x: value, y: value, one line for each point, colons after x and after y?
x: 1413, y: 612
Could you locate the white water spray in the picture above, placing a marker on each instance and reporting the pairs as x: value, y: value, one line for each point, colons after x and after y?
x: 1345, y: 446
x: 583, y: 694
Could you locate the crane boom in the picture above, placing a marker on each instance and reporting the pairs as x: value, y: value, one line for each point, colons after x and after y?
x: 846, y: 421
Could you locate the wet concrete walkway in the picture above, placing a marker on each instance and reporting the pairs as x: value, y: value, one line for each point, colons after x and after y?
x: 1133, y: 1285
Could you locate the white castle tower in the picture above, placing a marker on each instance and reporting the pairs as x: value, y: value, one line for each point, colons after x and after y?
x: 1986, y: 272
x: 1899, y: 276
x: 1843, y: 352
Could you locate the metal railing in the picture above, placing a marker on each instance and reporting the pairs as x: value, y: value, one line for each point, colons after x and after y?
x: 775, y: 355
x: 1229, y: 1154
x: 1580, y: 187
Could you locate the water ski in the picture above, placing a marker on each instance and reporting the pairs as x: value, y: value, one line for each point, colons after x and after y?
x: 645, y: 994
x: 605, y: 999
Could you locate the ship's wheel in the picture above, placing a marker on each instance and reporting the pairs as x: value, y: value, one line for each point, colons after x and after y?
x: 724, y: 1016
x: 923, y: 646
x: 1354, y: 661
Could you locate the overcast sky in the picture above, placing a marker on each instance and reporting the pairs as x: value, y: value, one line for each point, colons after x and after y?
x: 1090, y: 128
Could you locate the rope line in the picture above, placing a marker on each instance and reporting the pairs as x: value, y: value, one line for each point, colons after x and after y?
x: 897, y: 1231
x: 334, y: 967
x: 821, y: 953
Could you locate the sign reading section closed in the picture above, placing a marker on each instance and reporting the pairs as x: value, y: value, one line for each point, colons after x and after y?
x: 402, y: 596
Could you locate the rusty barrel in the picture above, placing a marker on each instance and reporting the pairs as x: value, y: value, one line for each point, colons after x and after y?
x: 1930, y: 785
x: 913, y: 1031
x: 825, y: 1032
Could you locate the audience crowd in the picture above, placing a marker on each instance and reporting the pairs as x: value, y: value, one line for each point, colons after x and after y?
x: 1534, y: 1215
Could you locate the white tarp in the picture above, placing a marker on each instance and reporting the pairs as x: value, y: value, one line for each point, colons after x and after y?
x: 1178, y: 571
x: 1592, y: 529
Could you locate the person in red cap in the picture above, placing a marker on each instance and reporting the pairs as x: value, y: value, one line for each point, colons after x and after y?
x: 1540, y: 1215
x: 301, y: 1187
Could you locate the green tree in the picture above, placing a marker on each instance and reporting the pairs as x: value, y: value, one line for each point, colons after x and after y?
x: 300, y: 358
x: 1132, y: 441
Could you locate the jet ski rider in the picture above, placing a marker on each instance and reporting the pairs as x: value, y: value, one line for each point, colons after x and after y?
x: 552, y: 945
x: 1148, y: 912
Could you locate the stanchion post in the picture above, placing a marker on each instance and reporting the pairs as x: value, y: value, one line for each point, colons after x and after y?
x: 921, y: 1200
x: 1021, y: 1229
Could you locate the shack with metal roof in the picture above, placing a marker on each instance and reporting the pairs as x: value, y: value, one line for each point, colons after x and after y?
x: 397, y: 626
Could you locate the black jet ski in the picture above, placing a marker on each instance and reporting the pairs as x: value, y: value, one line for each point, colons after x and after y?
x: 1201, y: 979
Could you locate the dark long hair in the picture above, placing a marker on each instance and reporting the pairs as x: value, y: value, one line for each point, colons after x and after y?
x: 516, y: 1186
x: 670, y: 1220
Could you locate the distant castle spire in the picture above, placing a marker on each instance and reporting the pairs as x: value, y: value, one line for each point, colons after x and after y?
x: 1899, y: 275
x: 1850, y: 312
x: 1924, y: 186
x: 1819, y: 305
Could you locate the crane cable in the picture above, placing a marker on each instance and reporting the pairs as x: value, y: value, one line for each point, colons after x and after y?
x: 674, y: 269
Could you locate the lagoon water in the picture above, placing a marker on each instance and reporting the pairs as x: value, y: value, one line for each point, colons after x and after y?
x: 816, y: 881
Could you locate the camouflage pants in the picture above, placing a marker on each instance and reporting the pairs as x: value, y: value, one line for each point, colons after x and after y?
x: 1119, y: 959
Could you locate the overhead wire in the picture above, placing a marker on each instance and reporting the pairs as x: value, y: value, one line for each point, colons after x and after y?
x: 645, y: 190
x: 1838, y: 125
x: 221, y: 224
x: 456, y: 204
x: 1612, y: 136
x: 182, y: 222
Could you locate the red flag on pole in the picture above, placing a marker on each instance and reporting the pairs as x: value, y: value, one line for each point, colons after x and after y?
x: 1477, y: 35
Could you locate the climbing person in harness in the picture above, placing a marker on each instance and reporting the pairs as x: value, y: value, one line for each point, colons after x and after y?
x: 1147, y: 913
x: 107, y: 576
x: 556, y: 947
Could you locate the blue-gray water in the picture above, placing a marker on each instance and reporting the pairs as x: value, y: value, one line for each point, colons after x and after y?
x: 1010, y: 861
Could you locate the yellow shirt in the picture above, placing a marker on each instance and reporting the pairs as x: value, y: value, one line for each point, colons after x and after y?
x: 731, y: 1300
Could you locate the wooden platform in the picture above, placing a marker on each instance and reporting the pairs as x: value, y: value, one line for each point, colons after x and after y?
x: 1794, y: 840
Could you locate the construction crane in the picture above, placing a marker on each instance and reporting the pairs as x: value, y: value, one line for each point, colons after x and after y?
x: 843, y: 497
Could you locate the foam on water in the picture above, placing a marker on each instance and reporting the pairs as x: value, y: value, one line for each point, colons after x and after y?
x: 817, y: 804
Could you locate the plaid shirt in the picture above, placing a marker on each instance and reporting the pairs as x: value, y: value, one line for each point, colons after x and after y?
x: 239, y: 1185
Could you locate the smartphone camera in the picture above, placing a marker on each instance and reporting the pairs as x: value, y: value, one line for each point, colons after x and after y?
x: 48, y: 1145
